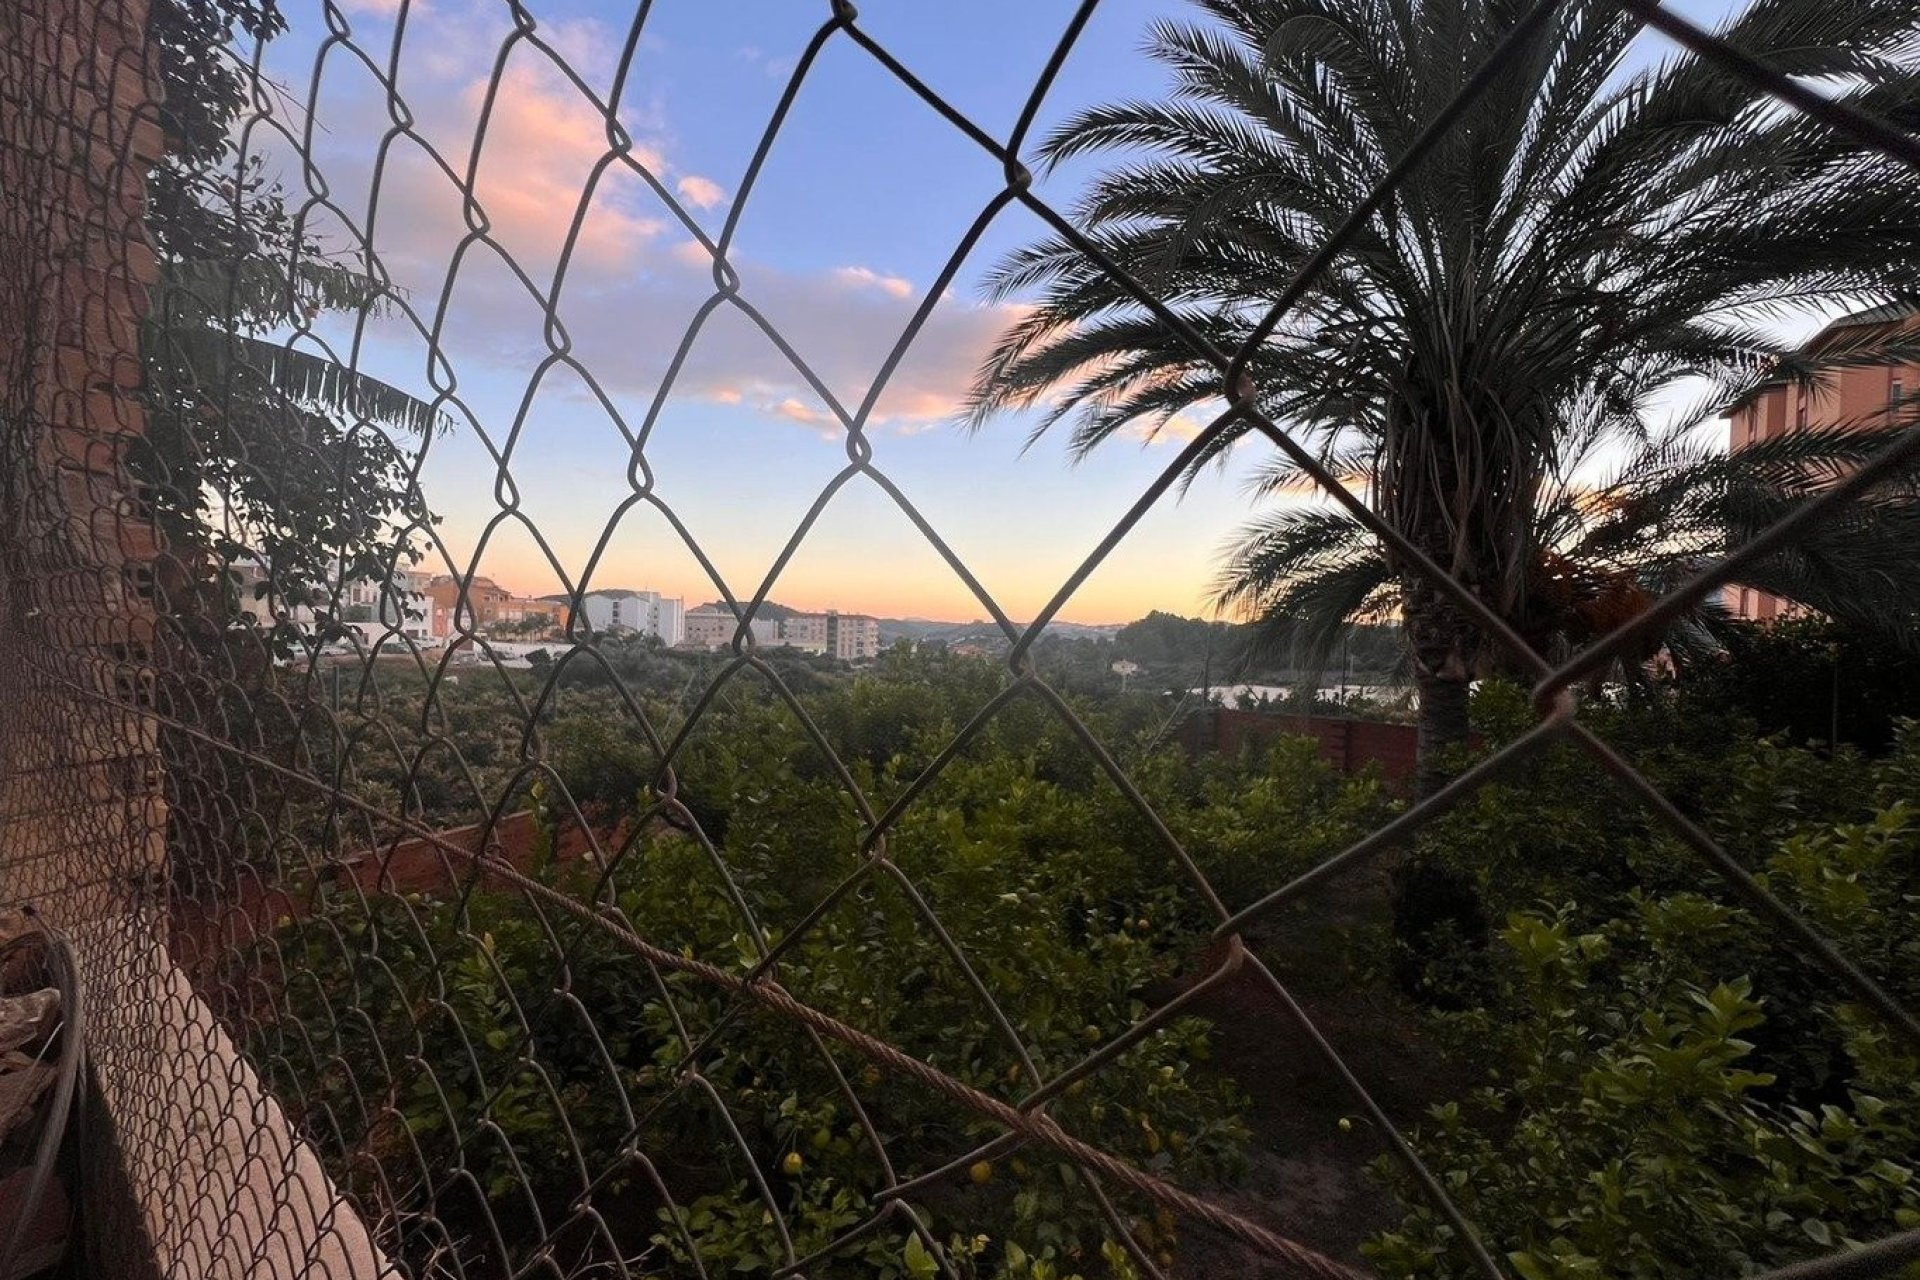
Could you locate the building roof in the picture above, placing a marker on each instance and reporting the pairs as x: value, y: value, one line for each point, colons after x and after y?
x: 1889, y: 313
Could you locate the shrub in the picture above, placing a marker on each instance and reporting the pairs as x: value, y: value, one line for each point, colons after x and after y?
x: 477, y: 1041
x: 1631, y: 1126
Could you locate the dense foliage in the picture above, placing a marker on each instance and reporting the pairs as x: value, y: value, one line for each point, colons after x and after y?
x: 1670, y: 1087
x: 437, y: 1033
x: 261, y: 447
x: 1811, y: 680
x: 1664, y: 1084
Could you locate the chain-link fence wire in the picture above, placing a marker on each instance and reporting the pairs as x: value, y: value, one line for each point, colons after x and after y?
x: 279, y: 945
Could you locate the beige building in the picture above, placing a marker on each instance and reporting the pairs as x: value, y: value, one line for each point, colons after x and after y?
x: 806, y: 631
x: 852, y: 637
x: 711, y: 628
x: 490, y: 604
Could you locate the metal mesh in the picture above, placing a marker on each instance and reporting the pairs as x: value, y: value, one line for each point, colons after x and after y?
x: 185, y: 793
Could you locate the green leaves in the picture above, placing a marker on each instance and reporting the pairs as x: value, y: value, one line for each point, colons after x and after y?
x: 919, y: 1261
x: 1671, y: 1091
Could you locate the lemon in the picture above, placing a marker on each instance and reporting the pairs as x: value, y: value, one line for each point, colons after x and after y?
x: 981, y: 1172
x: 793, y: 1164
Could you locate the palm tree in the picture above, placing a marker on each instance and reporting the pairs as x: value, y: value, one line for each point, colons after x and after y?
x: 1582, y: 238
x: 1604, y: 551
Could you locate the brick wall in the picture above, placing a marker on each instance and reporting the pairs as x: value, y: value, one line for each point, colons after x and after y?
x: 204, y: 932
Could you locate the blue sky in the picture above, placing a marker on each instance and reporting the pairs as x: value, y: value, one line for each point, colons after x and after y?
x: 863, y: 197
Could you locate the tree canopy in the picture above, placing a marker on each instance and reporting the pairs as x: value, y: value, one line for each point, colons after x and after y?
x: 1584, y: 237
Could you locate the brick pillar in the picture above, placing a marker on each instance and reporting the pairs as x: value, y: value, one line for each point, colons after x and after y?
x: 80, y: 817
x: 193, y: 1170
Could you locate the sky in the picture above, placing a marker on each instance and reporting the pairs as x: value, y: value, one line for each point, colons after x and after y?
x: 863, y: 196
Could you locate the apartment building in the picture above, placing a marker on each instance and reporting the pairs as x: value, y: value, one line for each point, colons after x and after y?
x: 852, y: 637
x: 806, y: 631
x: 710, y: 628
x: 647, y: 612
x: 372, y: 607
x: 491, y: 605
x: 405, y: 606
x: 1860, y: 396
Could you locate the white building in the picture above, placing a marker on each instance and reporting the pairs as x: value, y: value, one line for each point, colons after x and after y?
x: 405, y: 606
x: 371, y: 608
x: 647, y: 612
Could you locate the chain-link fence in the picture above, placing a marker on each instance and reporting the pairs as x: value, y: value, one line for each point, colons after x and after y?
x: 382, y: 979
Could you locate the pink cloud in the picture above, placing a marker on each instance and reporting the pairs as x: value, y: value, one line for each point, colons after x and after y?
x: 702, y: 193
x: 797, y: 411
x: 636, y: 283
x: 543, y: 141
x: 867, y: 277
x: 1180, y: 429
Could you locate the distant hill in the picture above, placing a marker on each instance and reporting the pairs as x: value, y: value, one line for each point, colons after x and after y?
x: 771, y: 611
x: 561, y: 597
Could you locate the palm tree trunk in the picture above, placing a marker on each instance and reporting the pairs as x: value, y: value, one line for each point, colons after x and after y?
x: 1444, y: 644
x: 1436, y: 906
x: 1443, y: 724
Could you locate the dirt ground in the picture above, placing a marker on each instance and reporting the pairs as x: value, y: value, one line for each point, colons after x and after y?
x: 1307, y: 1178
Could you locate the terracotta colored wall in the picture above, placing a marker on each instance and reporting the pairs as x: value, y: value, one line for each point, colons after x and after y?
x: 1851, y: 396
x: 78, y: 801
x: 1347, y: 745
x: 203, y: 932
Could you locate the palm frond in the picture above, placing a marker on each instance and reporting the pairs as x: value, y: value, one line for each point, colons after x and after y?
x: 215, y: 362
